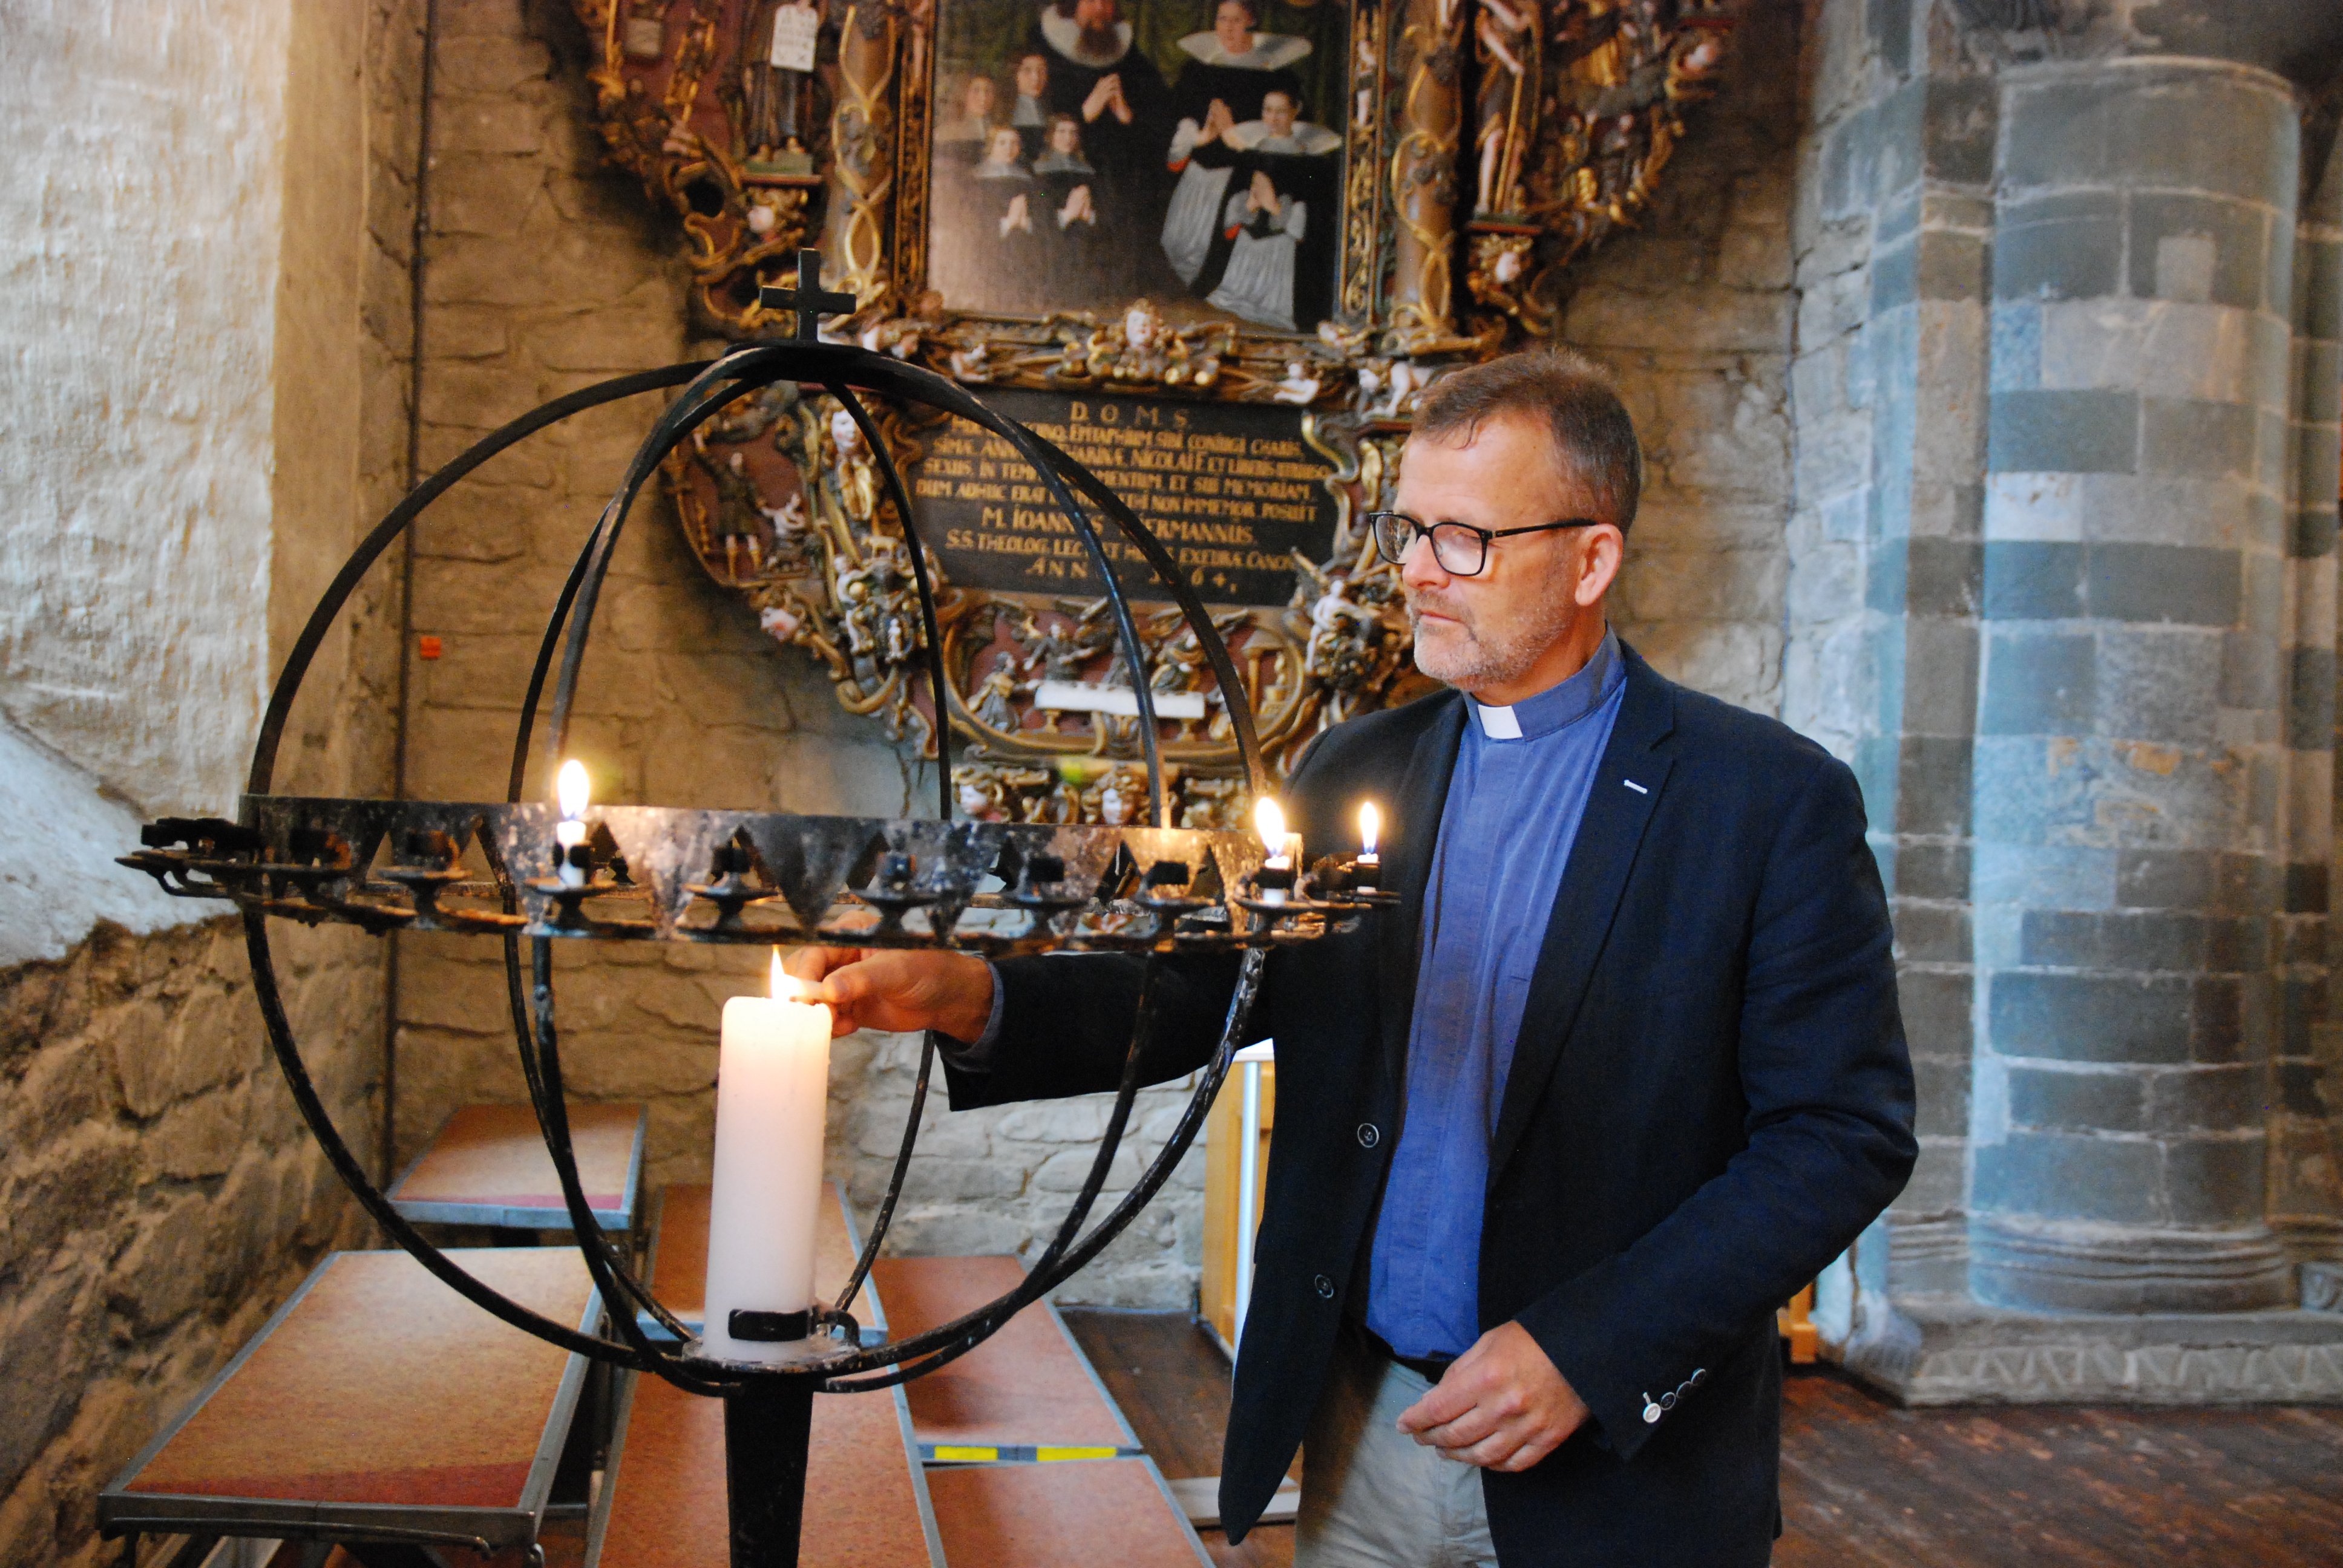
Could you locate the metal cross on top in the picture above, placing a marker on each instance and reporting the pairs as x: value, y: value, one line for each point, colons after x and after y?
x: 807, y: 299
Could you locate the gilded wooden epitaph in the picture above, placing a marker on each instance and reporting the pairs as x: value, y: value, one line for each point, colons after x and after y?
x: 1471, y: 149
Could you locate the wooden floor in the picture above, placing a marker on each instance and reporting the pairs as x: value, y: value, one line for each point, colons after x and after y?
x: 1172, y: 1384
x: 1865, y: 1485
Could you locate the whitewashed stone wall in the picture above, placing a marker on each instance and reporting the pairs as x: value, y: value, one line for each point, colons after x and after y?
x: 139, y: 233
x: 202, y: 401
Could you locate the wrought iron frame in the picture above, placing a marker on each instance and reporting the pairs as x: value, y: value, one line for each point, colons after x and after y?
x: 1153, y: 891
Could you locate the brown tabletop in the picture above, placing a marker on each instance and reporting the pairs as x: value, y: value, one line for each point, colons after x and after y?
x: 489, y: 1167
x: 663, y: 1503
x: 1073, y: 1515
x: 679, y: 1272
x: 379, y: 1396
x: 1027, y: 1386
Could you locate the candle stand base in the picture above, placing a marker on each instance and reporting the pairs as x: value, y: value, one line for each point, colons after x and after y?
x: 768, y: 1432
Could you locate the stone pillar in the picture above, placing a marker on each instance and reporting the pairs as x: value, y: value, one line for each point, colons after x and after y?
x: 2306, y: 1203
x: 1890, y: 388
x: 2132, y: 874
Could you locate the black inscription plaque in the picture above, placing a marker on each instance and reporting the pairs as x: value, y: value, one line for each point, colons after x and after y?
x: 1231, y: 489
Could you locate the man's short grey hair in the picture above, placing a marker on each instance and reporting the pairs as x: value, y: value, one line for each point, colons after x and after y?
x: 1594, y: 439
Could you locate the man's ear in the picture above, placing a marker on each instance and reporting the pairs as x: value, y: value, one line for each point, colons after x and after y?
x: 1603, y: 550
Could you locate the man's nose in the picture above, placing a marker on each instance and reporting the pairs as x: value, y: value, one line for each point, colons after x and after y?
x: 1419, y: 567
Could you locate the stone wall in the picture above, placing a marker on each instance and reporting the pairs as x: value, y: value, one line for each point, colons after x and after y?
x: 547, y: 271
x: 1692, y: 313
x: 2062, y: 590
x: 213, y: 402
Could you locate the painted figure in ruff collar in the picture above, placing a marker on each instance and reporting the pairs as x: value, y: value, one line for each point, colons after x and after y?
x: 1115, y: 92
x: 1228, y: 74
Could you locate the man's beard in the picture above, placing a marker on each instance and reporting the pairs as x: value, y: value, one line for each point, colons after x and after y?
x: 1490, y: 655
x: 1102, y: 43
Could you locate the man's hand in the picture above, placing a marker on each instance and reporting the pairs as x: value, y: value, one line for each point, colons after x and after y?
x: 1106, y: 94
x: 897, y: 990
x: 1501, y: 1404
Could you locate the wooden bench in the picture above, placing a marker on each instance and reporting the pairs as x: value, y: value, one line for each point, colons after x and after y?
x: 980, y: 1424
x: 1027, y: 1394
x: 488, y: 1166
x: 1113, y: 1511
x: 379, y: 1409
x: 662, y: 1503
x: 1029, y: 1387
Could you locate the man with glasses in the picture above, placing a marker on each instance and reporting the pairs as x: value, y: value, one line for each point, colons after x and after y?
x: 1556, y: 1136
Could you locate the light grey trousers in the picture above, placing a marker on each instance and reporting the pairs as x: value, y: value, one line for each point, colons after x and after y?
x: 1372, y: 1496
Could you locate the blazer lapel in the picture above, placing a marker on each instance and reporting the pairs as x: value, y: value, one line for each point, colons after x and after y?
x: 1412, y: 834
x: 1592, y: 883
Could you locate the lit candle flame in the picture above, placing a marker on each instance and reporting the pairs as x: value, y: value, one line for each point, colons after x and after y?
x: 1371, y: 825
x: 1269, y: 821
x: 786, y: 985
x: 572, y: 789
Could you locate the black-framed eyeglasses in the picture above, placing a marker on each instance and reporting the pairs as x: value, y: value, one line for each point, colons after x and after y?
x: 1461, y: 548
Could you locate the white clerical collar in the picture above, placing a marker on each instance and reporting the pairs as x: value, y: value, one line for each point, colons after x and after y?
x: 1254, y: 136
x: 1498, y: 723
x: 1270, y: 51
x: 1064, y: 35
x: 1560, y: 706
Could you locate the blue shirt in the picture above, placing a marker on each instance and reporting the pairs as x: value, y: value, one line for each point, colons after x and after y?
x: 1513, y: 805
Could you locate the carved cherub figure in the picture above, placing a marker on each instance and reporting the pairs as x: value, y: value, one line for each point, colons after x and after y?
x: 1299, y: 388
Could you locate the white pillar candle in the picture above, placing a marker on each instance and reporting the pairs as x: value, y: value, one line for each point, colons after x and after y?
x: 773, y: 1089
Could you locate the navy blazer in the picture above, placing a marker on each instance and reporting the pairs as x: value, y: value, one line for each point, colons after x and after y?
x: 1709, y: 1099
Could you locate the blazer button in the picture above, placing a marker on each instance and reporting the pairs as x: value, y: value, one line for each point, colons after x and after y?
x: 1369, y: 1135
x: 1323, y: 1286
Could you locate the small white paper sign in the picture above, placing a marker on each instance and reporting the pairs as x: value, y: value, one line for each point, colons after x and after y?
x: 1079, y: 697
x: 795, y: 27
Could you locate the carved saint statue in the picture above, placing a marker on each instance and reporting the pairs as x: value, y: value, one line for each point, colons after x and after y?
x: 993, y: 700
x: 777, y: 60
x: 1504, y: 35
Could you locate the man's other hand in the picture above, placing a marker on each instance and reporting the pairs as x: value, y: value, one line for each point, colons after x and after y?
x: 1501, y: 1404
x: 897, y: 990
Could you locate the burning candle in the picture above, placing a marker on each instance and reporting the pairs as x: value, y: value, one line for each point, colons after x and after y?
x: 571, y: 788
x: 1275, y: 879
x: 1367, y: 870
x: 773, y: 1089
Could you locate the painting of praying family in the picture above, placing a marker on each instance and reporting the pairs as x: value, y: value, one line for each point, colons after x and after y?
x: 1089, y: 152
